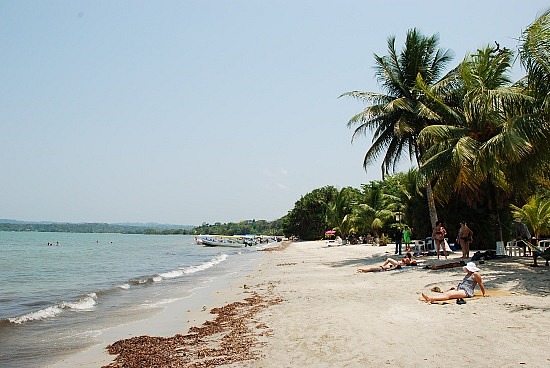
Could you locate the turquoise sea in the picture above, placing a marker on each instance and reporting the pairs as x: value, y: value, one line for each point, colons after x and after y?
x: 54, y: 299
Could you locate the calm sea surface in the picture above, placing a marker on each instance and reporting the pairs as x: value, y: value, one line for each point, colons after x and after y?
x: 56, y: 299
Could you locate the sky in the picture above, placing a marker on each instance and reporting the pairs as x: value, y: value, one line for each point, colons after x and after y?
x: 191, y: 112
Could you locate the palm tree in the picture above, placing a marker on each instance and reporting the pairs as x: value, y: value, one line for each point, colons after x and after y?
x: 481, y: 139
x: 398, y: 116
x: 535, y: 57
x: 374, y: 210
x: 339, y: 210
x: 536, y: 214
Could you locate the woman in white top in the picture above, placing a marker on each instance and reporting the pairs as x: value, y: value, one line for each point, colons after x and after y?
x: 466, y: 287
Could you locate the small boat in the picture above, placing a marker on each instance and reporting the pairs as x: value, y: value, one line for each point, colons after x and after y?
x: 222, y: 243
x: 236, y: 241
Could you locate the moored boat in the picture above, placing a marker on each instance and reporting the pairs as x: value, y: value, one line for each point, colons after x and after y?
x: 234, y: 241
x: 221, y: 243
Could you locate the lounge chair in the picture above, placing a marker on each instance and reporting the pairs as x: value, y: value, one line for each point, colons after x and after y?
x: 537, y: 252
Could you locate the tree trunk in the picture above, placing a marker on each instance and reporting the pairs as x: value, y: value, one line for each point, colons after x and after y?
x: 431, y: 205
x: 429, y: 194
x: 494, y: 198
x: 499, y: 226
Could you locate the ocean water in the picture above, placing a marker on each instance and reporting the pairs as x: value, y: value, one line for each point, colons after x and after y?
x: 54, y: 300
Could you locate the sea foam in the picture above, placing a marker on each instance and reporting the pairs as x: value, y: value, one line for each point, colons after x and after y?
x: 192, y: 269
x: 85, y: 303
x: 48, y: 312
x: 206, y: 265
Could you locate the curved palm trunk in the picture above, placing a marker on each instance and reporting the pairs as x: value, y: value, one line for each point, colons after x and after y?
x: 494, y: 207
x: 431, y: 205
x: 429, y: 195
x: 501, y: 237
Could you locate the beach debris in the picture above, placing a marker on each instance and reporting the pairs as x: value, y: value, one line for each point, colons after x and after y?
x: 231, y: 337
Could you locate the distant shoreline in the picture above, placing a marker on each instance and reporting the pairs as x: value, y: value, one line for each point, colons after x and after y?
x: 86, y: 228
x: 232, y: 228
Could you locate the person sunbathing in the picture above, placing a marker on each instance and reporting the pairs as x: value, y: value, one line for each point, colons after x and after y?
x: 465, y: 289
x: 391, y: 264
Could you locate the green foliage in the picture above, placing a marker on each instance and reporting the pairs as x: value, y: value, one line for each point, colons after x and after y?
x: 339, y: 211
x: 241, y: 228
x: 478, y: 142
x: 351, y: 211
x: 262, y: 227
x: 397, y: 117
x: 308, y: 219
x: 535, y: 214
x: 385, y: 240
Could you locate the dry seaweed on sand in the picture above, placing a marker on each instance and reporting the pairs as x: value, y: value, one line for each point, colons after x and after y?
x: 231, y: 337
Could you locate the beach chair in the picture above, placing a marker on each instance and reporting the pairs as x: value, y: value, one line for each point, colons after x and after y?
x: 537, y: 252
x: 544, y: 244
x: 517, y: 248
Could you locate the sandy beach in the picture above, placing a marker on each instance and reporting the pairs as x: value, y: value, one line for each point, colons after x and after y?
x: 306, y: 306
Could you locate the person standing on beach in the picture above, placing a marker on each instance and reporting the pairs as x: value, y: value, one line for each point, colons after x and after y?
x: 521, y: 233
x: 465, y: 238
x: 438, y: 236
x: 407, y: 239
x: 398, y: 240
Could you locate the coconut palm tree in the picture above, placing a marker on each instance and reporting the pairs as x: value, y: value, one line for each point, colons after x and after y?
x: 535, y: 57
x: 476, y: 149
x: 339, y: 210
x: 535, y: 214
x: 398, y: 115
x: 374, y: 209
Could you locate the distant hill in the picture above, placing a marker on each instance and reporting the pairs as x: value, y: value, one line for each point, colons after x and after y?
x: 11, y: 221
x: 154, y: 225
x: 123, y: 228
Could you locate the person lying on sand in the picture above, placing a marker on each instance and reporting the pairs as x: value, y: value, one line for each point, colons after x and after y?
x: 466, y: 287
x: 391, y: 264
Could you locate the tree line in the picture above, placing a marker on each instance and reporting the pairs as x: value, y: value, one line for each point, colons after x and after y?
x: 380, y: 207
x: 232, y: 228
x: 88, y: 228
x: 479, y: 139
